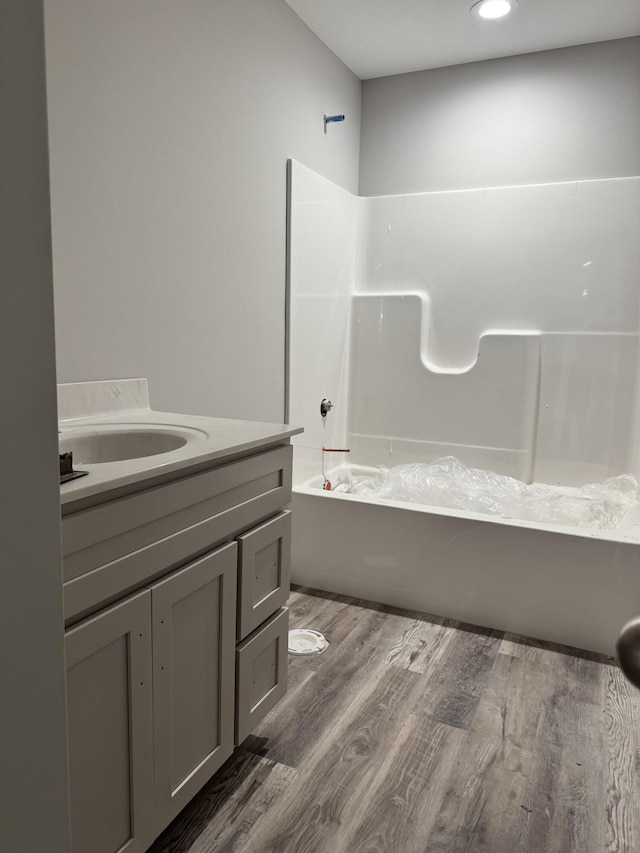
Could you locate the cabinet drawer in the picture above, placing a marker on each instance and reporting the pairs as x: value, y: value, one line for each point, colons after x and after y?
x: 263, y: 576
x: 261, y: 673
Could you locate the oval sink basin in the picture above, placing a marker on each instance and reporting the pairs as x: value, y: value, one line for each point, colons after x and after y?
x: 94, y: 447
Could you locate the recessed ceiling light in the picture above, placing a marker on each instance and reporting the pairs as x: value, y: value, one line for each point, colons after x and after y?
x: 491, y: 10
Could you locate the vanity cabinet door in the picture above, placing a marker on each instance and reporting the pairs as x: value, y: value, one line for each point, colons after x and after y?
x: 110, y: 720
x: 194, y: 615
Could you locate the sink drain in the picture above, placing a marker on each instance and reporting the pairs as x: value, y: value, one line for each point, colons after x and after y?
x: 305, y: 641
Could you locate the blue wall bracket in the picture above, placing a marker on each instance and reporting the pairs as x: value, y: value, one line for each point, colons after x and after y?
x: 328, y: 119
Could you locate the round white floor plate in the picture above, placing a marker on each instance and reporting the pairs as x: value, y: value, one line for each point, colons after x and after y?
x: 305, y: 641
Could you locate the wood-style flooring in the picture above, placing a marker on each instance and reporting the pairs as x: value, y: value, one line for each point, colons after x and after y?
x: 414, y: 733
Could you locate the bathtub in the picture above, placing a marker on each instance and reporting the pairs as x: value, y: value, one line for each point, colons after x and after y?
x: 431, y: 340
x: 560, y: 584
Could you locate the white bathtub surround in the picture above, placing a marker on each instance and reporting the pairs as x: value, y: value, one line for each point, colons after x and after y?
x: 486, y: 412
x: 325, y: 236
x: 553, y: 257
x: 545, y: 407
x: 122, y: 407
x: 499, y: 326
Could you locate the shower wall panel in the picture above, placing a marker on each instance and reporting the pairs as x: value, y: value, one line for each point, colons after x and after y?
x: 500, y: 325
x: 585, y: 425
x: 486, y: 415
x: 551, y: 257
x: 323, y: 240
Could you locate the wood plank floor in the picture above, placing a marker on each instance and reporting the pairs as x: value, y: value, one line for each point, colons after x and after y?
x: 414, y: 733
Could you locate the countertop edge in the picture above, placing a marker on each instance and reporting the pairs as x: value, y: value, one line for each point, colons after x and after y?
x: 124, y: 477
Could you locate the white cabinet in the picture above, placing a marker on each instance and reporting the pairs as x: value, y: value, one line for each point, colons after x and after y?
x: 110, y: 729
x: 165, y: 583
x: 194, y: 623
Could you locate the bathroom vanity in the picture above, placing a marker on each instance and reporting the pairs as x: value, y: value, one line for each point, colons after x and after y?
x: 176, y: 575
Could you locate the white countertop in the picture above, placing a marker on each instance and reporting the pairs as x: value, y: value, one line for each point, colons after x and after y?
x: 209, y: 440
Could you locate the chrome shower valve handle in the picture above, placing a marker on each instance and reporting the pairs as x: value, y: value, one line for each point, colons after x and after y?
x: 325, y: 407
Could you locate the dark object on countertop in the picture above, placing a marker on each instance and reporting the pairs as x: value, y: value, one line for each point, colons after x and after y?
x: 66, y: 468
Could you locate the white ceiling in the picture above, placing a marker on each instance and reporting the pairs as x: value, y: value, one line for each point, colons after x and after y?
x: 375, y: 38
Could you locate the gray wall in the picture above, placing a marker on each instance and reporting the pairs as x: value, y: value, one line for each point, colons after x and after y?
x: 557, y: 115
x: 170, y: 126
x: 33, y: 786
